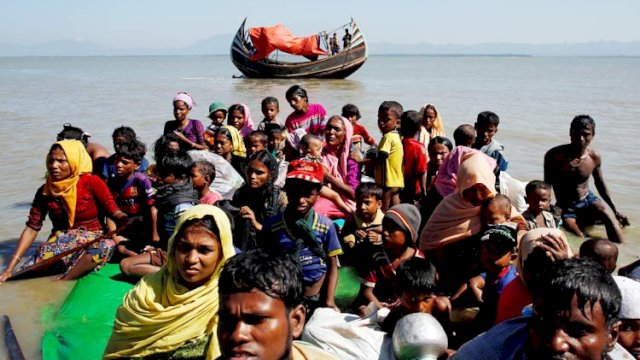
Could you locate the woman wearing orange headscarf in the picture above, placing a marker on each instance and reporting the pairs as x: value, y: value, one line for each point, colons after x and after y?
x: 75, y: 201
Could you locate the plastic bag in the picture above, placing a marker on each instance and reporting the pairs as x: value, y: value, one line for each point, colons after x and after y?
x: 514, y: 189
x: 227, y: 180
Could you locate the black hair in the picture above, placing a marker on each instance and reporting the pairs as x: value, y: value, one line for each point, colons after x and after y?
x: 276, y: 274
x: 440, y: 140
x: 70, y: 132
x: 416, y: 276
x: 369, y: 189
x: 261, y: 135
x: 585, y: 279
x: 350, y: 110
x: 410, y: 123
x: 393, y: 106
x: 535, y: 185
x: 593, y: 249
x: 488, y: 118
x: 270, y: 100
x: 235, y: 107
x: 583, y: 121
x: 124, y: 131
x: 271, y: 129
x: 297, y: 90
x: 207, y: 222
x: 161, y: 146
x: 207, y: 169
x: 224, y: 131
x: 299, y: 183
x: 464, y: 134
x: 502, y: 200
x: 306, y: 139
x: 133, y: 149
x: 269, y: 161
x: 177, y: 163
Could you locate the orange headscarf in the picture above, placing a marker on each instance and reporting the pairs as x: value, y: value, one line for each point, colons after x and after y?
x: 79, y: 163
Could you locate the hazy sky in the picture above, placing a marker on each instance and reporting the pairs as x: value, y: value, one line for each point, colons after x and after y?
x: 165, y: 24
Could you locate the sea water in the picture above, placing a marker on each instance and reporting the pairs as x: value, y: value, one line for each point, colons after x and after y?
x: 536, y: 98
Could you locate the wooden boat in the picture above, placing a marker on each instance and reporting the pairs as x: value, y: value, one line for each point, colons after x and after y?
x: 337, y: 66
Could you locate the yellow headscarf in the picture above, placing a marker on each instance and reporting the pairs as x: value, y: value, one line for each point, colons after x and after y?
x: 159, y: 314
x: 79, y: 163
x: 237, y: 143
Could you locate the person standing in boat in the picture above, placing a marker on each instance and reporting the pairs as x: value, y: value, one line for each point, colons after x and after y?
x: 190, y: 131
x: 333, y: 43
x: 310, y: 117
x: 346, y: 39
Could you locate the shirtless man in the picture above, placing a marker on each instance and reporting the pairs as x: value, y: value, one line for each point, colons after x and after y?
x: 568, y: 169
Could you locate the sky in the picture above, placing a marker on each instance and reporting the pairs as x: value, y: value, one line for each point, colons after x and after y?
x: 174, y: 24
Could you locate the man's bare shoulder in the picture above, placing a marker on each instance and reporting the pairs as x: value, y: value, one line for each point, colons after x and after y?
x: 559, y: 151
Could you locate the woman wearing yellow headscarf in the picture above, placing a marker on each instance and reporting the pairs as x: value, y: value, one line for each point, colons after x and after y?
x: 75, y: 200
x: 174, y: 312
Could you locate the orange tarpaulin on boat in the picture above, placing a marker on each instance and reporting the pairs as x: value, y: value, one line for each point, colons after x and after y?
x: 269, y: 39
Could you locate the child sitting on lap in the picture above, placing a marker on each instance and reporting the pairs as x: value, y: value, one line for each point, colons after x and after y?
x: 362, y: 232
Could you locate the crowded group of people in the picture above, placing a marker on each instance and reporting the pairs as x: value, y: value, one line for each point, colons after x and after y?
x: 236, y: 232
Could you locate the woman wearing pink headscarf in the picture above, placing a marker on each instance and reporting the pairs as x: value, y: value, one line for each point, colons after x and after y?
x: 239, y: 117
x: 190, y: 131
x: 342, y: 173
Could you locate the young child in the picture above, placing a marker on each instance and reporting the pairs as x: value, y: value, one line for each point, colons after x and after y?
x: 388, y: 168
x: 464, y: 135
x: 352, y: 113
x: 256, y: 141
x: 539, y: 199
x: 121, y: 135
x: 486, y: 127
x: 202, y: 175
x: 312, y: 238
x: 175, y: 196
x: 362, y: 232
x: 416, y: 289
x: 602, y: 251
x: 270, y: 110
x: 217, y: 114
x: 311, y: 148
x: 399, y: 234
x: 134, y: 194
x: 275, y: 145
x: 415, y: 159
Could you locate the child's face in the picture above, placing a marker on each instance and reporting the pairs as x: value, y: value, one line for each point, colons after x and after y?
x: 437, y: 154
x: 484, y: 133
x: 255, y: 144
x: 302, y: 196
x: 167, y: 179
x: 119, y: 140
x: 275, y: 139
x: 270, y: 111
x: 387, y: 121
x: 494, y: 258
x: 416, y: 303
x: 493, y: 214
x: 217, y: 118
x: 393, y: 237
x: 314, y: 149
x: 222, y: 145
x: 367, y: 207
x: 199, y: 181
x: 173, y: 146
x: 257, y: 174
x: 539, y: 200
x: 429, y: 118
x: 209, y: 139
x: 236, y: 119
x: 125, y: 167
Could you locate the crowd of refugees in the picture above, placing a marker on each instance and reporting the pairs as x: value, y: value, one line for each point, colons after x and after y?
x: 237, y: 232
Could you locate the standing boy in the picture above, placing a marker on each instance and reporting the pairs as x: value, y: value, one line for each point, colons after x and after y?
x: 310, y: 237
x: 568, y: 169
x: 415, y: 159
x: 270, y: 110
x: 388, y: 168
x: 486, y: 127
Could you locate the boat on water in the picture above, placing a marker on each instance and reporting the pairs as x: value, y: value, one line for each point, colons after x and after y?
x: 256, y: 52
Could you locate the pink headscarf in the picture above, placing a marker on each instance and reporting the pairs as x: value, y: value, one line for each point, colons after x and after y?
x: 186, y: 97
x: 337, y: 163
x: 446, y: 179
x: 248, y: 126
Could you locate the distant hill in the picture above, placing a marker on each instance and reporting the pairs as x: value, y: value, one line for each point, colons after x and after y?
x: 220, y: 44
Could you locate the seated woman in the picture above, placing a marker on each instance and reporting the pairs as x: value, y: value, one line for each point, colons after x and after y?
x: 229, y: 144
x: 173, y: 313
x: 74, y: 199
x: 342, y: 173
x: 189, y: 131
x: 257, y: 200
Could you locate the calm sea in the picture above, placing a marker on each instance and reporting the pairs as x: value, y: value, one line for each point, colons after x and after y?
x: 536, y: 98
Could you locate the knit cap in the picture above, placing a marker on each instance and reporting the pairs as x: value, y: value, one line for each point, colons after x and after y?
x: 407, y: 217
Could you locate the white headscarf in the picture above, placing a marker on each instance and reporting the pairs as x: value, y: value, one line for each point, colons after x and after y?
x: 630, y: 290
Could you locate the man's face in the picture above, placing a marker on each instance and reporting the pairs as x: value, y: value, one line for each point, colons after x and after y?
x: 581, y: 136
x: 485, y: 133
x: 577, y: 333
x: 253, y: 325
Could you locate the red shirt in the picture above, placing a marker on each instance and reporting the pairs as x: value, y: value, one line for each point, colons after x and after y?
x: 513, y: 298
x: 93, y: 201
x: 362, y: 131
x: 415, y: 163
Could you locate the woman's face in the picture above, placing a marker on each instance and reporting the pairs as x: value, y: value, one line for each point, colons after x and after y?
x: 222, y: 145
x: 236, y: 119
x: 257, y: 174
x: 334, y: 132
x: 476, y: 194
x: 298, y: 103
x: 57, y: 165
x: 437, y: 154
x: 197, y: 254
x: 180, y: 110
x: 429, y: 118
